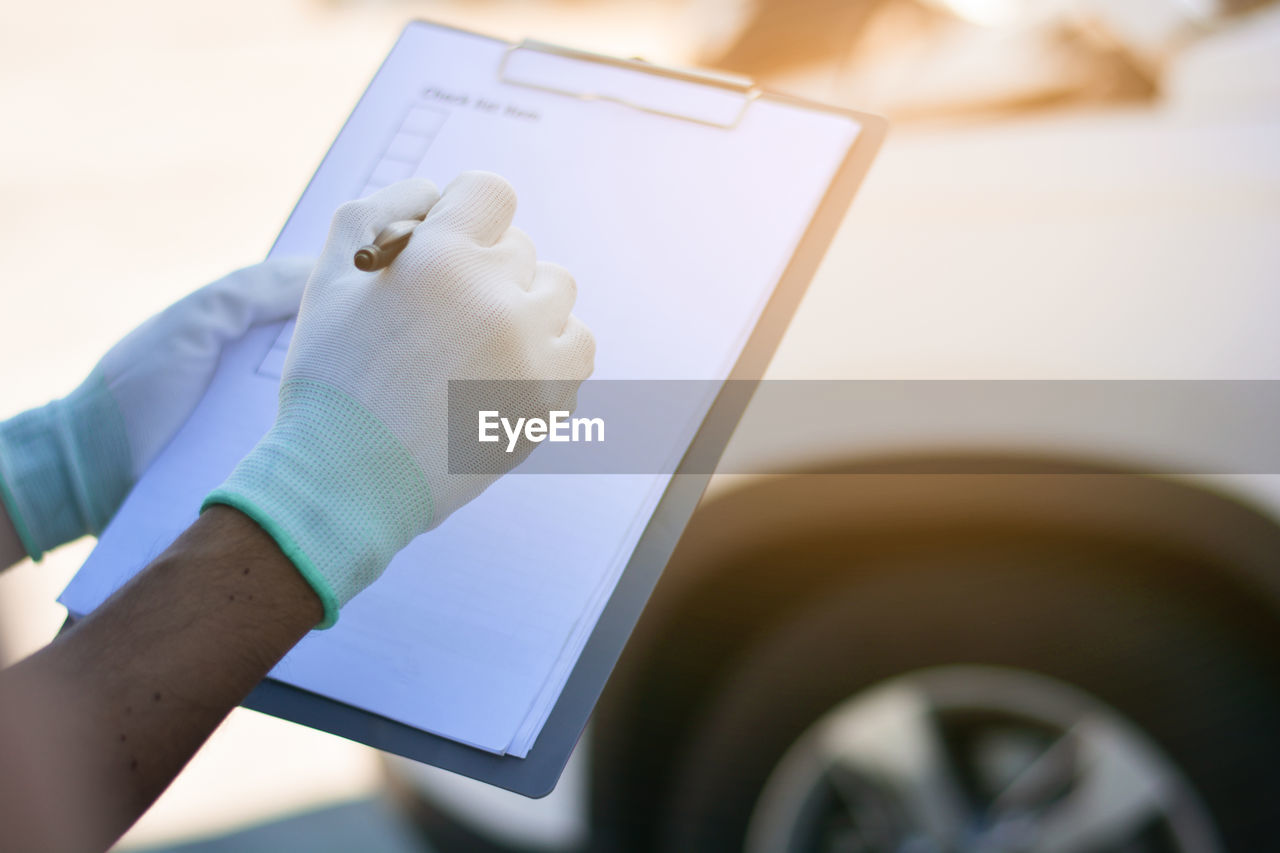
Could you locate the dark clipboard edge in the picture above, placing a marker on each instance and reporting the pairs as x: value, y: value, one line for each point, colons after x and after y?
x: 537, y: 774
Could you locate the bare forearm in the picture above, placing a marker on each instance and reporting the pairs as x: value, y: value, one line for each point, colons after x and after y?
x: 11, y: 550
x: 110, y: 712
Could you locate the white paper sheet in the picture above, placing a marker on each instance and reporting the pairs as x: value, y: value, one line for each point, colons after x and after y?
x: 676, y: 233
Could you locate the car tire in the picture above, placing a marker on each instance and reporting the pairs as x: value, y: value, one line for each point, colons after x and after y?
x: 1189, y: 670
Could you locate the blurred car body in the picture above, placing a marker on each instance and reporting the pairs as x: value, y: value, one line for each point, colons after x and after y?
x: 1138, y: 241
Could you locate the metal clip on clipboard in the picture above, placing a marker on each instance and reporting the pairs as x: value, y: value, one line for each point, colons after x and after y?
x: 715, y: 99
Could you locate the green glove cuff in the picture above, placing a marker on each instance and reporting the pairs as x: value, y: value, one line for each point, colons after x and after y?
x: 334, y: 488
x: 65, y: 467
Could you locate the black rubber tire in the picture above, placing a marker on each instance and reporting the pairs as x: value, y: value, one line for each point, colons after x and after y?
x: 1202, y: 684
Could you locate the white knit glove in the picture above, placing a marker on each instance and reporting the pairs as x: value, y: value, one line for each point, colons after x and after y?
x: 65, y: 467
x: 357, y: 462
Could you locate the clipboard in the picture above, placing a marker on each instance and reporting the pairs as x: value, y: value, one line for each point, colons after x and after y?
x: 537, y: 774
x: 723, y: 102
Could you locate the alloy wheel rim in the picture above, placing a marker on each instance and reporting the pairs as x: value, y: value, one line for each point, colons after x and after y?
x: 977, y: 759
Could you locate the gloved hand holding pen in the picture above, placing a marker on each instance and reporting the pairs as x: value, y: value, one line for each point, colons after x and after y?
x: 357, y: 463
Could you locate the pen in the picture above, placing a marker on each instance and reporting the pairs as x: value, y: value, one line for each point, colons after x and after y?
x: 384, y: 248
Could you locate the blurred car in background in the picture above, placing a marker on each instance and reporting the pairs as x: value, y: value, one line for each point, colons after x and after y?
x: 1031, y: 644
